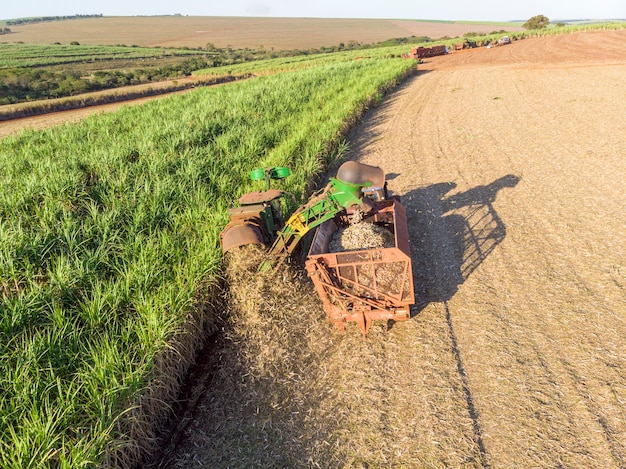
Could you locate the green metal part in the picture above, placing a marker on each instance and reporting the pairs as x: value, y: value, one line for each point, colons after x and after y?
x: 346, y: 194
x: 267, y: 174
x: 338, y: 196
x: 257, y: 174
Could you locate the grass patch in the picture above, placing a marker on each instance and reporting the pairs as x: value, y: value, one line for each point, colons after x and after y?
x: 40, y: 55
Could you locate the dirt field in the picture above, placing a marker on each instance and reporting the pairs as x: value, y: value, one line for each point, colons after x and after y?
x: 277, y: 33
x: 510, y: 162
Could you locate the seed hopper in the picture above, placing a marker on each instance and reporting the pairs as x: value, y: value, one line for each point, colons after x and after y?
x: 361, y: 283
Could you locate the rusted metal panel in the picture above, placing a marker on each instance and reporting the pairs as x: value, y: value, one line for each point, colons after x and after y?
x: 364, y: 285
x: 241, y: 234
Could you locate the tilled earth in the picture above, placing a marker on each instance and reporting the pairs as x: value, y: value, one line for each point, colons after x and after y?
x: 511, y: 164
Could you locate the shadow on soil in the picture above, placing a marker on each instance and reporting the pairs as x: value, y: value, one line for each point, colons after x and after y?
x: 451, y: 235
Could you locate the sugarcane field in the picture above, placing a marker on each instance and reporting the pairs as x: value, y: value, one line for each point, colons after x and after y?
x: 410, y: 256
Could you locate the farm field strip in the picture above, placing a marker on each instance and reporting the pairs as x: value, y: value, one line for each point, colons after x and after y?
x: 112, y: 237
x: 277, y: 33
x: 238, y: 71
x: 527, y: 349
x: 527, y: 239
x: 32, y: 55
x: 303, y: 61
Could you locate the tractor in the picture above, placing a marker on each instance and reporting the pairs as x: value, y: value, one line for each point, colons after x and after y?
x: 359, y: 285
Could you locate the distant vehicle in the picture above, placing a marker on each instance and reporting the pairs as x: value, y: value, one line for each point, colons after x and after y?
x: 503, y: 40
x: 423, y: 52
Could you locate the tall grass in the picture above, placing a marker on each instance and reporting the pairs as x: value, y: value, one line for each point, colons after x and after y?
x: 299, y: 62
x: 109, y: 239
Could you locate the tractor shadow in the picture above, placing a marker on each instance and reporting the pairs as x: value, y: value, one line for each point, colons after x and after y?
x: 451, y: 235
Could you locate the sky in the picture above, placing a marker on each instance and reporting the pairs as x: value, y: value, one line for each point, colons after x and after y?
x: 481, y: 10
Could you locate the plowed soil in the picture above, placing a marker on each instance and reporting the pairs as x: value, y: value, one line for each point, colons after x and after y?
x: 239, y: 32
x: 511, y: 164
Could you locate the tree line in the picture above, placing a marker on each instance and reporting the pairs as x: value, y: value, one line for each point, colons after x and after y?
x: 40, y: 19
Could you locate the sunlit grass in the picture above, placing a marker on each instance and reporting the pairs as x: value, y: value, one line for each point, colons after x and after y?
x: 109, y: 229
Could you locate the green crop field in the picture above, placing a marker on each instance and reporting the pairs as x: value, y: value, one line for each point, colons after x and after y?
x: 109, y: 244
x: 37, y: 55
x: 36, y: 72
x: 298, y: 62
x: 109, y: 241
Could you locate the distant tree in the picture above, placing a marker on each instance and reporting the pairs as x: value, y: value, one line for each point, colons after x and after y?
x: 537, y: 22
x: 39, y: 19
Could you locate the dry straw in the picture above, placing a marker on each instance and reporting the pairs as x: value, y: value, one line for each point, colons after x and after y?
x: 361, y: 235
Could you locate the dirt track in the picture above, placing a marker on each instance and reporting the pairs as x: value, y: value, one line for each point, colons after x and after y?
x: 510, y: 162
x: 43, y: 121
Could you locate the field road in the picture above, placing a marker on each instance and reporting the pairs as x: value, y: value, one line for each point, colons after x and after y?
x: 51, y: 119
x: 511, y: 164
